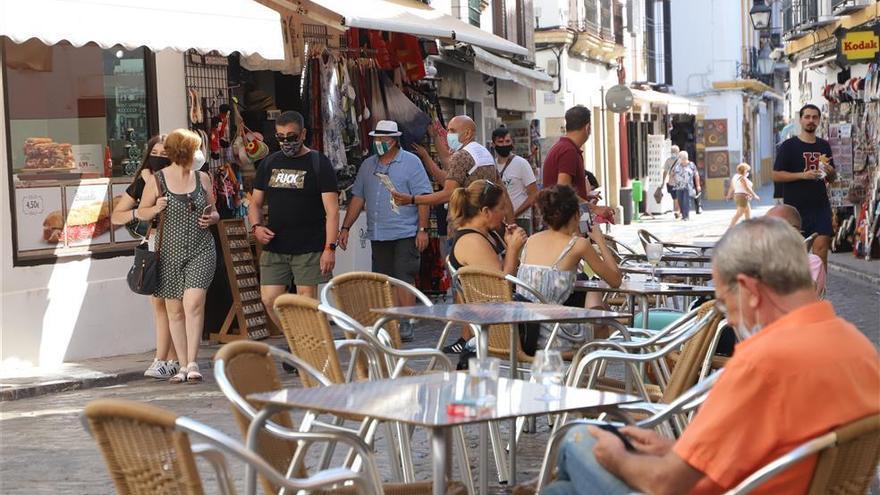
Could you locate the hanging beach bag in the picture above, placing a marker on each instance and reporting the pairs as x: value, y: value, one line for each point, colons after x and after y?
x: 143, y: 276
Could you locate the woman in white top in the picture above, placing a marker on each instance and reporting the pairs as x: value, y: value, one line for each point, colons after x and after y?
x: 741, y: 191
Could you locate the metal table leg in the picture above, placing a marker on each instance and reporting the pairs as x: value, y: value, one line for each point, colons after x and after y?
x: 253, y: 438
x: 514, y: 334
x: 442, y: 466
x: 483, y: 462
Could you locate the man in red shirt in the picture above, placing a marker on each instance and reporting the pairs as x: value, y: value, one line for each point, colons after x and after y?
x: 565, y: 160
x: 798, y: 372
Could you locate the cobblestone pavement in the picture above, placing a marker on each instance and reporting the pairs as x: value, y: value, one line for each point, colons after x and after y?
x: 44, y: 449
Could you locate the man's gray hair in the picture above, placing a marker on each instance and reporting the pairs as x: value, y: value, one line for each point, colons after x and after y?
x: 768, y: 249
x: 674, y: 149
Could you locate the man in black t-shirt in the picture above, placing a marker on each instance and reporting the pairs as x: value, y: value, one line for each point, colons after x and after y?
x: 299, y: 186
x: 803, y: 165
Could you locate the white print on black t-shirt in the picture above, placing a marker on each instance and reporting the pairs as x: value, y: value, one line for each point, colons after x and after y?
x: 287, y: 179
x: 811, y: 160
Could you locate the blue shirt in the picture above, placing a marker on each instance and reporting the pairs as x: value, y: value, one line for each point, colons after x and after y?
x: 409, y: 177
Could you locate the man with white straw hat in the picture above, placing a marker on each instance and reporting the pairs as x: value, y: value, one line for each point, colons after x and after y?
x: 397, y: 233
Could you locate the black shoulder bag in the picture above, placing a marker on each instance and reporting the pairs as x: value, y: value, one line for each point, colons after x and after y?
x: 143, y: 277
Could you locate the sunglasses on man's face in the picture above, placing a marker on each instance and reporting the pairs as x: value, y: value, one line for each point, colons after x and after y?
x: 289, y: 138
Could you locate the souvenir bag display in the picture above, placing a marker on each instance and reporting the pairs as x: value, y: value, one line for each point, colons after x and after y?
x: 143, y: 276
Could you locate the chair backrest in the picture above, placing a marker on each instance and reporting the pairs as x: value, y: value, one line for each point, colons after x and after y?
x: 250, y: 369
x: 143, y: 450
x: 479, y: 285
x: 646, y: 238
x: 358, y: 293
x: 687, y: 369
x: 309, y: 336
x: 850, y: 465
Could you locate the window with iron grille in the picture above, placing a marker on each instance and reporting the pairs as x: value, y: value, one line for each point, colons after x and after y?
x: 474, y: 12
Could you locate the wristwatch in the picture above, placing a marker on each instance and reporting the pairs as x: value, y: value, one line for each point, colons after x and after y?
x: 423, y: 229
x: 331, y: 246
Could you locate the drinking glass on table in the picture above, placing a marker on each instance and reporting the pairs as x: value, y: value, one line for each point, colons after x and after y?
x: 654, y: 253
x: 484, y: 379
x: 547, y: 369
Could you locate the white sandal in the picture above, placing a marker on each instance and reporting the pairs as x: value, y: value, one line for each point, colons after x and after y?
x: 192, y: 373
x: 179, y: 377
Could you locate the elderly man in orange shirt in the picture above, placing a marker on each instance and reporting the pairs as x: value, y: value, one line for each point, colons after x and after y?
x: 798, y: 372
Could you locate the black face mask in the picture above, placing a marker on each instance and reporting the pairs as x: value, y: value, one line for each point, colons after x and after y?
x: 156, y: 162
x: 504, y: 151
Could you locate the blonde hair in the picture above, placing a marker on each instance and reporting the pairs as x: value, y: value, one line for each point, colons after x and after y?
x: 742, y: 168
x: 466, y: 202
x: 181, y: 146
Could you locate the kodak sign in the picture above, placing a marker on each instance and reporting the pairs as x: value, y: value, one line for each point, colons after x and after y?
x: 858, y: 45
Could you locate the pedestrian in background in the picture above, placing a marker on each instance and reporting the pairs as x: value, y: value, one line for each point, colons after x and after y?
x: 669, y: 180
x: 398, y: 234
x: 516, y: 174
x: 742, y: 193
x: 164, y: 363
x: 803, y: 166
x: 189, y: 255
x: 686, y: 183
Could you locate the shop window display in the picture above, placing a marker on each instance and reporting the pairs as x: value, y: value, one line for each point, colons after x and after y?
x: 77, y: 121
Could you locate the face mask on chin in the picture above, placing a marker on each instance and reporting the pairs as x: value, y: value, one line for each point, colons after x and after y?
x: 198, y: 160
x: 382, y: 147
x: 742, y: 331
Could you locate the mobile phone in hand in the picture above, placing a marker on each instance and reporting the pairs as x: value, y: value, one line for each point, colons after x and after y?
x: 621, y: 436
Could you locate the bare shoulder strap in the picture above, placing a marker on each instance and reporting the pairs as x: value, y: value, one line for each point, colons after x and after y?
x: 565, y: 251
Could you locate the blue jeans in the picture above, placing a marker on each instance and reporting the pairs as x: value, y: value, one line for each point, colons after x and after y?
x: 684, y: 202
x: 578, y: 472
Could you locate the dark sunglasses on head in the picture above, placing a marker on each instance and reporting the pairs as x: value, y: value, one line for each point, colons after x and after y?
x: 488, y: 186
x: 289, y: 138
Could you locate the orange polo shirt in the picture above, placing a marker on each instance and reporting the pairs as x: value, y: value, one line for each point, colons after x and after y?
x: 798, y: 378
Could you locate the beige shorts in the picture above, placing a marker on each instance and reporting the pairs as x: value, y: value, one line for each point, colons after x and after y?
x: 742, y: 200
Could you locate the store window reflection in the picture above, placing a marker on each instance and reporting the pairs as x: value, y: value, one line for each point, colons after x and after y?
x: 78, y: 120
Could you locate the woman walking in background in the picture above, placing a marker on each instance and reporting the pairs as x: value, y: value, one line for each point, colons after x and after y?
x: 742, y: 193
x: 188, y: 255
x: 165, y: 363
x: 686, y: 182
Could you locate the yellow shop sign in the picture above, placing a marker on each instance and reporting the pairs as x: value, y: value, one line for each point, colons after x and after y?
x: 858, y: 45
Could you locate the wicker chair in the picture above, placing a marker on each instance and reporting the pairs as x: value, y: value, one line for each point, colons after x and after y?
x: 242, y: 368
x: 358, y: 293
x: 847, y: 464
x: 147, y: 450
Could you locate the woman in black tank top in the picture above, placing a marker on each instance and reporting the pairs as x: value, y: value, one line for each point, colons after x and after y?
x: 477, y: 212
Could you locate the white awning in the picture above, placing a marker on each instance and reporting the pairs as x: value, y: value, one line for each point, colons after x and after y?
x: 416, y: 18
x: 225, y: 26
x: 495, y: 66
x: 673, y: 103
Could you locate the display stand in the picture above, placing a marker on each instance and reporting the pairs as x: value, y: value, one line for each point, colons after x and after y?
x: 246, y: 311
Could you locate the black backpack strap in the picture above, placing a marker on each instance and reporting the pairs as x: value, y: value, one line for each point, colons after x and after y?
x: 316, y: 165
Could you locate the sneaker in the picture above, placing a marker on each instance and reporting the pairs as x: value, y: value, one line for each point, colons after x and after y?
x: 406, y: 331
x: 162, y: 369
x: 153, y: 370
x: 456, y: 347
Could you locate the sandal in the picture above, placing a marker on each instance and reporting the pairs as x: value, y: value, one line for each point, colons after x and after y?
x: 192, y: 373
x: 180, y: 377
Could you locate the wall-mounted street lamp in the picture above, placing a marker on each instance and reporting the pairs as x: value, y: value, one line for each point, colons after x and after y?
x: 760, y: 14
x: 765, y: 64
